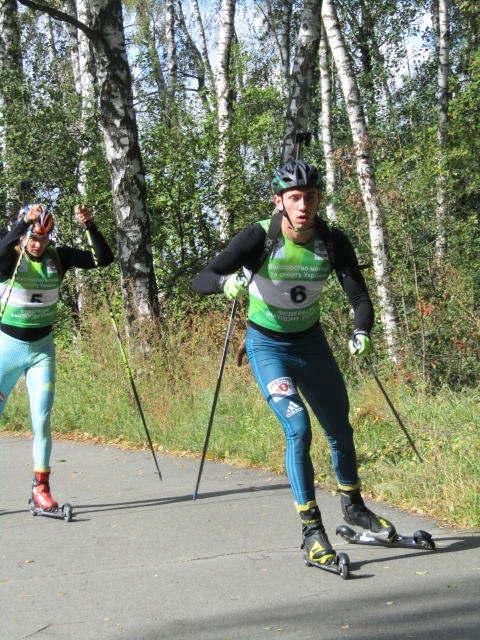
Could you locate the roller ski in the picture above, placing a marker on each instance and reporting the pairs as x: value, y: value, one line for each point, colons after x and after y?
x: 317, y: 550
x: 380, y: 532
x: 42, y: 504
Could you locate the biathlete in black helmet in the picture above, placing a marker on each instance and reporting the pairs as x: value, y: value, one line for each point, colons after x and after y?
x: 26, y: 342
x: 287, y: 348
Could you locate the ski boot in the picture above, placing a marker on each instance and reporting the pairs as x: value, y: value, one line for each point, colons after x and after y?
x: 317, y: 550
x: 357, y: 514
x: 380, y: 532
x: 42, y: 503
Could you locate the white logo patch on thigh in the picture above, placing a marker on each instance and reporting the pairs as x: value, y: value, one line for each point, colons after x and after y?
x: 281, y: 388
x: 292, y: 409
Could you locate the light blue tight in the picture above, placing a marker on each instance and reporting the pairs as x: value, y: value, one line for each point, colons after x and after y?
x: 37, y: 360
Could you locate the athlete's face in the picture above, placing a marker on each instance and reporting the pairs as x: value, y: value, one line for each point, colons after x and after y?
x: 36, y: 245
x: 301, y: 204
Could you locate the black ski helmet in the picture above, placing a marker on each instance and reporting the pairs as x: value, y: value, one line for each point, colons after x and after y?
x: 296, y: 173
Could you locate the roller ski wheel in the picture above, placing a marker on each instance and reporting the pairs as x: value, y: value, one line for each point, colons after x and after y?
x: 65, y: 512
x: 419, y: 540
x: 340, y: 566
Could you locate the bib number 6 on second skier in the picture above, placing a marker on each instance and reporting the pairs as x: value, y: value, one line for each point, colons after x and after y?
x: 298, y: 294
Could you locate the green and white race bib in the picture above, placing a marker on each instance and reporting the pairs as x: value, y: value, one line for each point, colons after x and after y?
x: 34, y: 296
x: 284, y: 293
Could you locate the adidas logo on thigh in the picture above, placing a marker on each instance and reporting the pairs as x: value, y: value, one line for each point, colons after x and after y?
x: 292, y: 409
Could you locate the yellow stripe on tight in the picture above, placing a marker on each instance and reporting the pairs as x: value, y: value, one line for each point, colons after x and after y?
x: 306, y: 507
x: 352, y: 487
x: 41, y: 469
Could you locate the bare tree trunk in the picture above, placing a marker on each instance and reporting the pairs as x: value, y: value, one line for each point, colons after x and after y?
x: 365, y: 171
x: 224, y: 112
x: 442, y: 32
x: 117, y: 118
x: 327, y: 125
x: 172, y: 52
x: 52, y: 50
x: 281, y: 39
x: 203, y: 44
x: 285, y: 36
x: 120, y: 132
x: 194, y: 54
x: 72, y: 39
x: 296, y: 118
x: 12, y: 97
x: 148, y: 30
x: 83, y: 66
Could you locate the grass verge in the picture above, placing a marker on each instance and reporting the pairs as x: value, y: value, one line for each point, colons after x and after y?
x: 176, y: 382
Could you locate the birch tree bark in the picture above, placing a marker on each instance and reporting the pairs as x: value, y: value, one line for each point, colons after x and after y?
x: 84, y: 72
x: 52, y: 49
x: 195, y: 54
x: 12, y: 95
x: 365, y: 171
x: 120, y: 132
x: 442, y: 32
x: 149, y: 34
x: 296, y: 117
x: 281, y: 37
x: 203, y: 44
x: 327, y: 125
x: 226, y: 36
x: 172, y: 52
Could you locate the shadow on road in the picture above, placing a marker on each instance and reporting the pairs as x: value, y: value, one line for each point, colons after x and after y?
x: 82, y: 509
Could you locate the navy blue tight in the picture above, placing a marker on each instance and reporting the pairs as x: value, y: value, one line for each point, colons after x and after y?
x: 306, y: 364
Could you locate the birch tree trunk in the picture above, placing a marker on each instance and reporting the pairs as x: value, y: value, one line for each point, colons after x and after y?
x: 365, y: 171
x: 226, y: 36
x: 172, y: 52
x: 84, y: 72
x: 149, y: 34
x: 296, y: 118
x: 120, y: 132
x: 195, y: 54
x: 203, y: 44
x: 72, y: 39
x: 281, y: 37
x: 12, y: 96
x: 442, y: 32
x: 118, y: 122
x: 52, y: 50
x: 327, y: 125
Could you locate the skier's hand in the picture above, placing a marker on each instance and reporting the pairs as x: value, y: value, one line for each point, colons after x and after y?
x: 360, y: 345
x: 84, y: 214
x: 33, y: 214
x: 235, y: 286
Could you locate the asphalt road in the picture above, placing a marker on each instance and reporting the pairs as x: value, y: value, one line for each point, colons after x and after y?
x: 142, y: 561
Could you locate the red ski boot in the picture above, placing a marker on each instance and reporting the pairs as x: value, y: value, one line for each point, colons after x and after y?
x: 41, y: 496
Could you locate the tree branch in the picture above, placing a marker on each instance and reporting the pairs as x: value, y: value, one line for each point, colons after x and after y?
x: 62, y: 16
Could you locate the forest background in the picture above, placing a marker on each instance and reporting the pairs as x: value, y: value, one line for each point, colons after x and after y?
x: 168, y: 117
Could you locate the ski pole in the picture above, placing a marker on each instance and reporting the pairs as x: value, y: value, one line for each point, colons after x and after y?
x: 122, y: 349
x: 12, y: 279
x: 395, y: 413
x: 217, y: 390
x: 25, y: 185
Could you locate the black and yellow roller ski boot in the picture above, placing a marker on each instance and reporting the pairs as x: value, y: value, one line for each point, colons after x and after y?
x: 317, y: 550
x: 379, y: 531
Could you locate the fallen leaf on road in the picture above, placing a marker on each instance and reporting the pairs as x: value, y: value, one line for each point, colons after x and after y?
x: 390, y: 602
x: 421, y: 573
x: 345, y: 626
